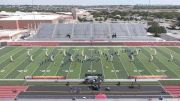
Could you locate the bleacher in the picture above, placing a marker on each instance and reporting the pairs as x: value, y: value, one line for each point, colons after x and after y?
x: 92, y: 32
x: 45, y: 31
x: 61, y: 30
x: 81, y: 31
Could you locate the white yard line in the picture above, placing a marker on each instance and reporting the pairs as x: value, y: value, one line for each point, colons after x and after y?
x: 174, y: 53
x: 80, y: 68
x: 113, y: 68
x: 156, y: 65
x: 51, y: 64
x: 91, y: 63
x: 70, y: 65
x: 48, y: 66
x: 166, y: 66
x: 102, y: 66
x: 122, y: 64
x: 38, y: 67
x: 153, y: 63
x: 22, y: 55
x: 80, y: 71
x: 145, y: 66
x: 60, y: 67
x: 26, y: 66
x: 10, y: 52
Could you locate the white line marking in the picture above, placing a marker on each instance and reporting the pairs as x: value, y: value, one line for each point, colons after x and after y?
x: 122, y: 64
x: 80, y: 68
x: 102, y: 67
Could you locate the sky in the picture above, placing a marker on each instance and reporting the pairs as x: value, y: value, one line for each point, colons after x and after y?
x: 89, y: 2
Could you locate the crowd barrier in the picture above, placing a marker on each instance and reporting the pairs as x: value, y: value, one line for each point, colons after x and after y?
x: 42, y: 43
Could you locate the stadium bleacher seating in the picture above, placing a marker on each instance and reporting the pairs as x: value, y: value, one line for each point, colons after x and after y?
x: 92, y: 31
x: 45, y: 31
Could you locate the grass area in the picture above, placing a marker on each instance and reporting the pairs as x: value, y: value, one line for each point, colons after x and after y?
x: 12, y: 82
x: 95, y: 60
x: 170, y: 82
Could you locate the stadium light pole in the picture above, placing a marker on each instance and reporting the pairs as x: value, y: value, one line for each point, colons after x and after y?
x: 34, y: 25
x: 17, y: 20
x: 149, y: 4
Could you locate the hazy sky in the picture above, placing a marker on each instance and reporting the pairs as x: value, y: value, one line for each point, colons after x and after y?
x: 89, y: 2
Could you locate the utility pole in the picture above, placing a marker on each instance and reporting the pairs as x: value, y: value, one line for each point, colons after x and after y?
x: 149, y: 5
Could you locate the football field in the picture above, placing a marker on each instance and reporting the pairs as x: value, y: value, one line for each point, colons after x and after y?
x: 75, y: 62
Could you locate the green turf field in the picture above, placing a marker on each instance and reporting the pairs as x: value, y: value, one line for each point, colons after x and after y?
x: 89, y: 60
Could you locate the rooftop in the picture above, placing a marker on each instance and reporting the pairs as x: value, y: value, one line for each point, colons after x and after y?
x: 31, y: 17
x: 10, y: 32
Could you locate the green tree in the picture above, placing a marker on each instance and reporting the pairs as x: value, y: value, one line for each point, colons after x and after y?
x: 156, y: 29
x: 178, y: 21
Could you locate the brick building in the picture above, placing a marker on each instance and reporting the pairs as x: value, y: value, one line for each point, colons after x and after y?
x: 25, y: 21
x: 11, y: 34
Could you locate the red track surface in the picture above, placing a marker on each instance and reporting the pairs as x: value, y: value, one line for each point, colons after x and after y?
x: 11, y: 91
x: 173, y: 90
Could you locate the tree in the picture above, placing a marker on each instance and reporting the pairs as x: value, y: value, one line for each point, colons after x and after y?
x: 178, y: 21
x: 82, y: 19
x: 156, y: 29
